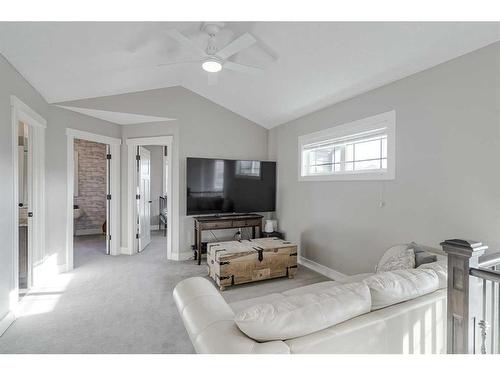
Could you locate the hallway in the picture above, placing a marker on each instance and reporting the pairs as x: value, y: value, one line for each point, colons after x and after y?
x: 106, y: 304
x: 119, y: 304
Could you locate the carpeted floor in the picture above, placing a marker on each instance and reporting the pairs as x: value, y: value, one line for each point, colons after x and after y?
x: 117, y: 304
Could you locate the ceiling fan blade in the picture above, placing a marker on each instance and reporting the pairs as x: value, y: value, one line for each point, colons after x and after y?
x: 242, y: 68
x: 184, y: 40
x: 181, y: 62
x: 237, y: 45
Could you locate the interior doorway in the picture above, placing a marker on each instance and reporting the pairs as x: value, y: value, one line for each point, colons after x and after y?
x: 93, y: 194
x: 28, y: 155
x: 144, y: 201
x: 90, y: 204
x: 150, y: 194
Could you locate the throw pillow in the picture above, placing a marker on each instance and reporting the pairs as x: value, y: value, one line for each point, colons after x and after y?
x: 398, y: 257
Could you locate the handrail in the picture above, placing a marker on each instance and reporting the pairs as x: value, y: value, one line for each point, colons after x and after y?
x: 486, y: 274
x: 489, y: 260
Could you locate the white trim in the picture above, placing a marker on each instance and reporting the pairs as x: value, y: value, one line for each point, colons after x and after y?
x: 114, y: 146
x: 319, y: 268
x: 173, y: 192
x: 26, y: 114
x: 20, y: 112
x: 92, y: 137
x: 6, y: 322
x: 386, y: 119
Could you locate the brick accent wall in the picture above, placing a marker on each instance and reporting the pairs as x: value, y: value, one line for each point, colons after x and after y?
x: 91, y: 185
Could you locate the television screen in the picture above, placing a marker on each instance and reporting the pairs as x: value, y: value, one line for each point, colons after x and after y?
x: 216, y: 186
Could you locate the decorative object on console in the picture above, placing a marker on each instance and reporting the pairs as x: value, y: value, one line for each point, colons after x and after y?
x: 269, y: 227
x: 239, y: 262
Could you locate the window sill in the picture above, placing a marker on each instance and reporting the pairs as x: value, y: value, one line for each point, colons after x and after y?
x: 366, y: 176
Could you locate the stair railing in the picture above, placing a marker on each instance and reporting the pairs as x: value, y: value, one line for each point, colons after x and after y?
x: 473, y: 311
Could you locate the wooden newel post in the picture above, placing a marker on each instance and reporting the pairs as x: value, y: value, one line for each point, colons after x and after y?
x: 464, y: 293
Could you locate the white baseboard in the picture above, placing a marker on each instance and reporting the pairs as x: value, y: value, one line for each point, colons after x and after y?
x: 6, y: 321
x: 61, y: 268
x: 186, y: 255
x: 319, y: 268
x: 125, y: 250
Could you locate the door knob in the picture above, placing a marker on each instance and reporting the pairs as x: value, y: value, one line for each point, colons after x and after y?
x: 30, y: 214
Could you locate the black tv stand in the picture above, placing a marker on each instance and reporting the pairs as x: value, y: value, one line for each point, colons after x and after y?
x: 230, y: 221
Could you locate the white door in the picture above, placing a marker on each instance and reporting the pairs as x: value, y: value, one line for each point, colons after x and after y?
x: 144, y: 198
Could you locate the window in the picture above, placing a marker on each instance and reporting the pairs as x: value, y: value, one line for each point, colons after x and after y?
x: 360, y: 150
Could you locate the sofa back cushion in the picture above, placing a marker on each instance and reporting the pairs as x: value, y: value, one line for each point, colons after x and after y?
x: 299, y: 315
x: 389, y: 288
x: 441, y: 269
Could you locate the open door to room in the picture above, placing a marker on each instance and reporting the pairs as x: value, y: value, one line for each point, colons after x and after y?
x: 30, y: 264
x: 150, y: 198
x: 91, y: 204
x: 93, y: 196
x: 144, y: 196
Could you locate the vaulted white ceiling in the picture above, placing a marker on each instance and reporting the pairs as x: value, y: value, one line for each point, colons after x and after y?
x: 307, y: 66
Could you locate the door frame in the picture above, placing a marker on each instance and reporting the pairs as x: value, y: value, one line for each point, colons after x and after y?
x: 21, y: 112
x: 114, y: 212
x: 172, y: 188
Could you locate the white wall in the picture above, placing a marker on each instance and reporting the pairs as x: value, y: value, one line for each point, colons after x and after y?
x: 11, y: 83
x: 447, y: 169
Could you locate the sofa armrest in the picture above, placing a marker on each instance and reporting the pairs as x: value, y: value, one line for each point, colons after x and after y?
x: 209, y: 321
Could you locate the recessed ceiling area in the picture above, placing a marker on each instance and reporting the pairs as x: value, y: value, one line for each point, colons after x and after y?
x: 120, y: 118
x: 305, y: 65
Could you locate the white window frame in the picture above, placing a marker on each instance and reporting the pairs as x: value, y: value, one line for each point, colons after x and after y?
x: 386, y: 119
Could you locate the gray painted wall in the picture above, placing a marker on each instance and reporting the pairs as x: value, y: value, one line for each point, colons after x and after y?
x: 447, y: 177
x: 56, y: 164
x: 11, y: 83
x: 202, y: 129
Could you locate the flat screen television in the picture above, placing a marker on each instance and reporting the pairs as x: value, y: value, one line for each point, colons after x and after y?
x: 217, y: 186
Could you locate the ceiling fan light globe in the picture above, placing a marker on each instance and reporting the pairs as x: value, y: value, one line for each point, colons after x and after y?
x: 211, y: 66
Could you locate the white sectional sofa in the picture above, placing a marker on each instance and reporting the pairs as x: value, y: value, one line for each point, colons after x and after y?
x: 416, y: 325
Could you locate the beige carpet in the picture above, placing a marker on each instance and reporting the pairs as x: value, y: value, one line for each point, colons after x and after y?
x: 118, y: 304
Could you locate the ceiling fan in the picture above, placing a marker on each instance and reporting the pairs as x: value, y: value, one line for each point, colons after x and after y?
x: 214, y: 60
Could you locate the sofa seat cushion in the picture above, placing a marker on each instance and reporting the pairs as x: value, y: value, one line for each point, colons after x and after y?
x: 302, y: 314
x: 389, y: 288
